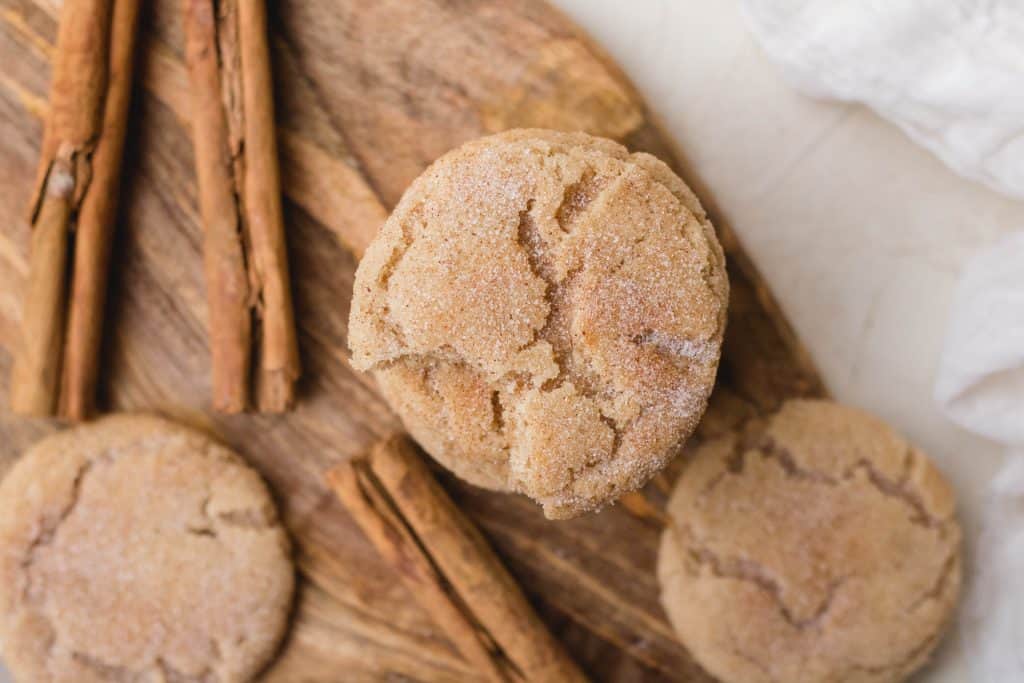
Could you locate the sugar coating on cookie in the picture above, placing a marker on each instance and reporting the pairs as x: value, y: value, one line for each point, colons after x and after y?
x: 818, y: 546
x: 545, y: 311
x: 136, y: 549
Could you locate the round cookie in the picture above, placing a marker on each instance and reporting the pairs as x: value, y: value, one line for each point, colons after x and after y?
x: 545, y: 311
x: 136, y: 549
x: 816, y: 547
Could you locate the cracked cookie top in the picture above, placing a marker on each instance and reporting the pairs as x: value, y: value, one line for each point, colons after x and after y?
x: 817, y: 546
x: 545, y: 311
x: 135, y: 549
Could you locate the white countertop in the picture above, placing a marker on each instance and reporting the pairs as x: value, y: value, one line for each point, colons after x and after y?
x: 861, y: 233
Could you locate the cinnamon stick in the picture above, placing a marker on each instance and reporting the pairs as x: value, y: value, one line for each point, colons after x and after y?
x: 448, y: 565
x: 377, y: 517
x: 76, y: 192
x: 252, y: 326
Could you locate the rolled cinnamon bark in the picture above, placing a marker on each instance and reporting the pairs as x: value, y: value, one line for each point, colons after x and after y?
x: 405, y: 512
x: 252, y: 327
x: 76, y: 192
x: 379, y: 520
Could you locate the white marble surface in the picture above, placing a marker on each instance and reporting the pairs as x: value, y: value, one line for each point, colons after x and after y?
x: 860, y: 233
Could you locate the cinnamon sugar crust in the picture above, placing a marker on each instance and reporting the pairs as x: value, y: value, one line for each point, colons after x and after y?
x: 817, y: 546
x: 134, y: 549
x: 545, y: 311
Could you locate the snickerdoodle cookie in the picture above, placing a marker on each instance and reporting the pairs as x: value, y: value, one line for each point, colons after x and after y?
x: 545, y: 312
x: 135, y: 549
x: 818, y: 546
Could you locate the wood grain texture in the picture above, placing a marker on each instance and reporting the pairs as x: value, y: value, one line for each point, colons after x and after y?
x: 368, y: 92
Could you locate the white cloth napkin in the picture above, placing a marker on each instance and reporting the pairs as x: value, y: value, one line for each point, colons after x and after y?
x: 992, y: 623
x: 950, y: 73
x: 981, y: 374
x: 980, y: 386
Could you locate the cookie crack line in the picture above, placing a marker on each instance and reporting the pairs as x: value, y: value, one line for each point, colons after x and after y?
x: 905, y: 663
x: 249, y: 519
x: 715, y: 258
x: 204, y: 531
x: 749, y: 571
x: 535, y: 249
x: 398, y: 253
x: 575, y: 473
x: 530, y: 242
x: 49, y: 531
x: 689, y: 350
x: 749, y: 658
x: 105, y: 669
x: 616, y: 432
x: 255, y: 519
x: 936, y: 590
x: 120, y: 672
x: 497, y: 413
x: 577, y: 198
x: 443, y: 354
x: 770, y: 449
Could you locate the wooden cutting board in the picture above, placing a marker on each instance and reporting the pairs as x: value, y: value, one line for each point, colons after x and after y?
x: 368, y: 93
